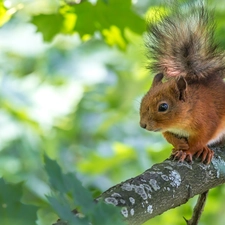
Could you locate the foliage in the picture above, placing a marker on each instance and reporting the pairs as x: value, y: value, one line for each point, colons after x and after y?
x: 67, y: 186
x: 12, y: 209
x: 72, y: 75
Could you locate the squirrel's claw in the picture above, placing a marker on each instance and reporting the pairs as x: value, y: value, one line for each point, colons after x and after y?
x: 206, y: 155
x: 181, y: 155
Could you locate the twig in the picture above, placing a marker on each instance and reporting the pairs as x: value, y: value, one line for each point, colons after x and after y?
x: 199, y: 207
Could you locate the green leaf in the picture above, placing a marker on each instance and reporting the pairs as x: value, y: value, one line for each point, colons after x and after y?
x: 61, y: 207
x: 48, y: 25
x: 120, y: 14
x: 87, y: 19
x: 68, y: 183
x: 12, y: 210
x: 111, y: 19
x: 55, y: 175
x: 107, y: 215
x: 96, y: 213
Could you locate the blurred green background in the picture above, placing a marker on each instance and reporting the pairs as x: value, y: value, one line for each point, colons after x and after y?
x: 72, y: 77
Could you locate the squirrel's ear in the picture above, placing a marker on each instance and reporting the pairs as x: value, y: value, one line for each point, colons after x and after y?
x: 157, y: 79
x: 182, y: 86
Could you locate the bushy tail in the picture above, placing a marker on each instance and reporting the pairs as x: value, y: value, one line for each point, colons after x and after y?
x: 182, y: 44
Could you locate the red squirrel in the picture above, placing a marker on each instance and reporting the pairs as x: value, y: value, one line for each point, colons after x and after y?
x: 186, y: 101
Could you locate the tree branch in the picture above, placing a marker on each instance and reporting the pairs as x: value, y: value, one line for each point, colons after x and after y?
x: 165, y: 186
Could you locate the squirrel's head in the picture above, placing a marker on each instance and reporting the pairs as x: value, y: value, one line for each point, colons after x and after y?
x: 163, y: 105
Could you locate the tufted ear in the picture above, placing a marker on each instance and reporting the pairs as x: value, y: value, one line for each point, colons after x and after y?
x: 182, y: 87
x: 157, y: 79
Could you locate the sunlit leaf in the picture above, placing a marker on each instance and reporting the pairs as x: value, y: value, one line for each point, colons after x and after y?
x: 113, y: 37
x: 122, y: 153
x: 110, y: 18
x: 5, y: 14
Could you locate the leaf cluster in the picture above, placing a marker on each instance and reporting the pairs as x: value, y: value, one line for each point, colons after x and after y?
x: 72, y: 76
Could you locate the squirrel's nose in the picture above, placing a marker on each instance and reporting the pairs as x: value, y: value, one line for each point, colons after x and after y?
x: 143, y: 125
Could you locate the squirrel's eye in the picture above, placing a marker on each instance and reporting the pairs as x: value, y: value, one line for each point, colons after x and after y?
x: 163, y: 107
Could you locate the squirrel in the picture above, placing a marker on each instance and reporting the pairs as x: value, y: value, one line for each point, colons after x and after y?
x: 186, y: 101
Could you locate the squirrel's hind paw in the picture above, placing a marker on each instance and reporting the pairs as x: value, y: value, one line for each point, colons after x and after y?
x: 206, y: 155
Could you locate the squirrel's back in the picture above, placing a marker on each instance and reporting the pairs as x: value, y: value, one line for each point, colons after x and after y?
x: 182, y: 43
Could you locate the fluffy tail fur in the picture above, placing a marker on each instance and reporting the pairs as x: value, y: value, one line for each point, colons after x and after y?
x: 182, y: 44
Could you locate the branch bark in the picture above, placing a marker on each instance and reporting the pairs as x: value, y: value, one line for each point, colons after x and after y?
x: 165, y: 186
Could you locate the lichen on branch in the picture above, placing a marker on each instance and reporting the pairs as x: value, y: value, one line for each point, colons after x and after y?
x: 165, y: 186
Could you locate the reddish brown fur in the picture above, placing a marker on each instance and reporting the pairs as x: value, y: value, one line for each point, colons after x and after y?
x: 191, y: 124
